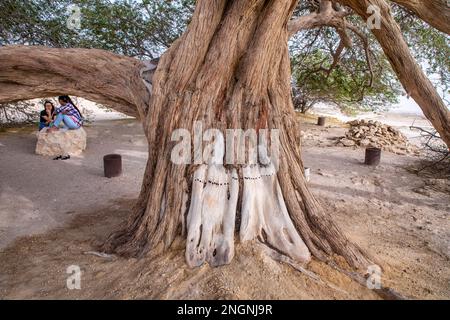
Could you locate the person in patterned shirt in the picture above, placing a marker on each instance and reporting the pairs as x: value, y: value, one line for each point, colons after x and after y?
x: 67, y: 114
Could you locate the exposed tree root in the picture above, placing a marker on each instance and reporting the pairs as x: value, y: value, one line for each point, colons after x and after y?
x: 384, y: 292
x: 275, y: 255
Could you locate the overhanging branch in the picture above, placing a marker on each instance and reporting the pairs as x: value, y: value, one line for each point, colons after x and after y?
x: 28, y: 72
x: 434, y: 12
x: 408, y: 71
x: 327, y: 15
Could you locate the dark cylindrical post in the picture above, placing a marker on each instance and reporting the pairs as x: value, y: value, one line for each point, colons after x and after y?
x: 373, y: 156
x: 321, y: 121
x: 113, y: 165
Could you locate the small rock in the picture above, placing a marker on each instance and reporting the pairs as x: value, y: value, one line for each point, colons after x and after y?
x: 364, y: 143
x: 348, y: 142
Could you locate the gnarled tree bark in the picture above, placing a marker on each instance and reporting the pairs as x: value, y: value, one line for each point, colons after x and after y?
x: 434, y: 12
x: 28, y: 72
x: 232, y: 72
x: 230, y: 69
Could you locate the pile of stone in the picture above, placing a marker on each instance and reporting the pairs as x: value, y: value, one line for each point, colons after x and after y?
x: 369, y: 133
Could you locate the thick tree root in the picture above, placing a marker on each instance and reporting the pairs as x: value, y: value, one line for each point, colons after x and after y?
x: 275, y: 255
x: 384, y: 292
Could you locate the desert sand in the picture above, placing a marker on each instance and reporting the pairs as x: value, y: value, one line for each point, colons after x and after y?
x: 52, y: 213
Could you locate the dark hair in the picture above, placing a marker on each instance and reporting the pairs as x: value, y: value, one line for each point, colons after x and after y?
x: 67, y: 99
x: 53, y: 106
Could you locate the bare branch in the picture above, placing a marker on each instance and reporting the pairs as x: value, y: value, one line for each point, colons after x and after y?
x: 366, y: 46
x: 336, y: 57
x: 434, y: 12
x: 326, y: 15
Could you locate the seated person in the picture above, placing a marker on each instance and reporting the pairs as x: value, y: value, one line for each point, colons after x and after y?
x: 47, y: 115
x: 67, y: 114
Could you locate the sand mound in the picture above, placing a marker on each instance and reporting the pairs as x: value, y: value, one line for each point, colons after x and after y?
x: 251, y: 275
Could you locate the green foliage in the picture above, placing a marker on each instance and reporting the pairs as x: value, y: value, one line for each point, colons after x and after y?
x: 146, y: 28
x: 430, y: 47
x: 351, y: 84
x: 141, y: 29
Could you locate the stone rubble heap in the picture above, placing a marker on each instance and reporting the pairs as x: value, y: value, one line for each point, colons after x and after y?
x: 369, y: 133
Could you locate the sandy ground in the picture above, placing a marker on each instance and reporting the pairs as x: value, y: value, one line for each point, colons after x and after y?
x: 31, y: 186
x: 387, y: 210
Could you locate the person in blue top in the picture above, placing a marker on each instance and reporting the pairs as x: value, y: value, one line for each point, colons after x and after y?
x: 67, y: 114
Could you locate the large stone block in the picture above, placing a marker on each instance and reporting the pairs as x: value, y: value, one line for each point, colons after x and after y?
x: 61, y: 142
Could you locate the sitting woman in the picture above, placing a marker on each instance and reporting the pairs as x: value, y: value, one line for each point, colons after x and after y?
x: 67, y: 114
x: 47, y: 115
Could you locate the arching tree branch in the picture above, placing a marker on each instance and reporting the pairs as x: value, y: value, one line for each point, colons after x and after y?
x: 327, y: 15
x: 333, y: 15
x: 28, y: 72
x: 434, y: 12
x: 408, y: 71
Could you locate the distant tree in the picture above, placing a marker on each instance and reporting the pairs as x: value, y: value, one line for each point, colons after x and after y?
x: 350, y: 70
x: 19, y: 112
x: 348, y: 83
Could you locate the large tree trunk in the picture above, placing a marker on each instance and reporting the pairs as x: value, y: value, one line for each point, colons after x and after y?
x: 230, y: 69
x: 410, y: 74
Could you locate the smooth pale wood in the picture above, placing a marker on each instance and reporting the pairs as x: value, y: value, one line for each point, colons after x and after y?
x: 265, y: 216
x: 212, y: 215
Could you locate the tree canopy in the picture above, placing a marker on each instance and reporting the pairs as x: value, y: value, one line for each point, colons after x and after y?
x: 142, y: 29
x: 354, y: 76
